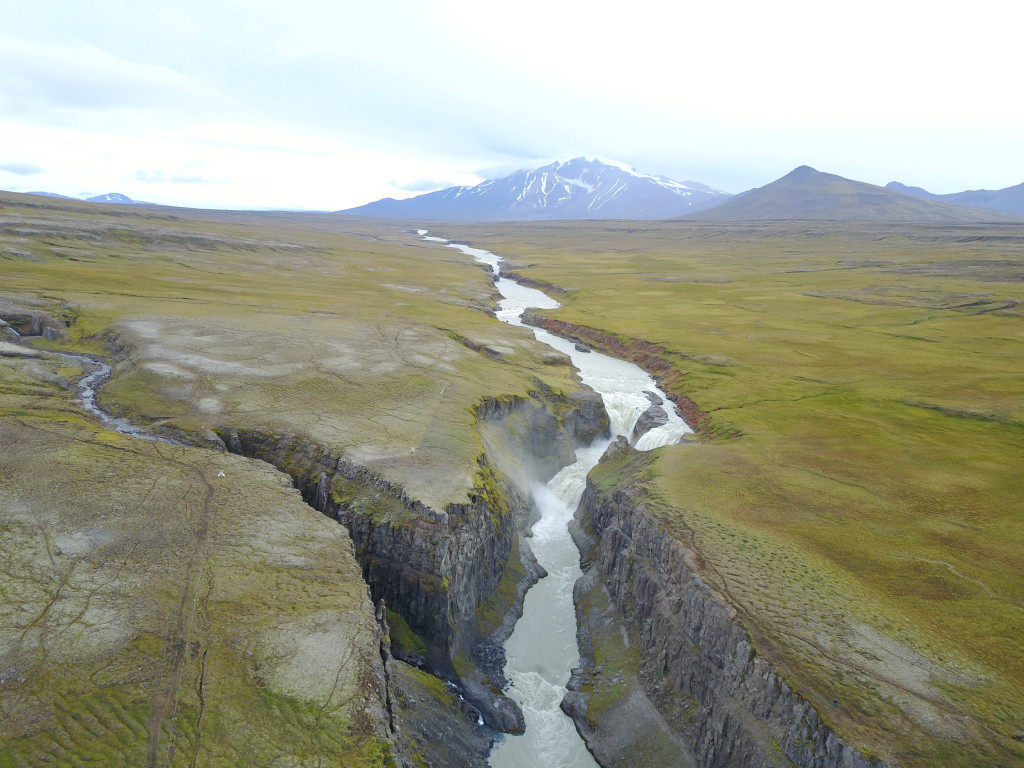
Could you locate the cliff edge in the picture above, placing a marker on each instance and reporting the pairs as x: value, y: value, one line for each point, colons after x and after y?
x: 665, y: 650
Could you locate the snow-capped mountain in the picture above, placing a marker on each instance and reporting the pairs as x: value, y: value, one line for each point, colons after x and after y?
x: 116, y: 198
x: 581, y: 188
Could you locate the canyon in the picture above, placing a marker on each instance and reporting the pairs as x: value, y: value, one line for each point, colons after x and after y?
x: 323, y: 554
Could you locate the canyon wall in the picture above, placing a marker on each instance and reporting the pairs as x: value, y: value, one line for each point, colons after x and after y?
x: 700, y: 684
x: 453, y: 575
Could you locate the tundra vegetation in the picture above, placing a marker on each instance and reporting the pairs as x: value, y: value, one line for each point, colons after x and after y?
x: 856, y: 493
x: 154, y: 612
x: 859, y: 392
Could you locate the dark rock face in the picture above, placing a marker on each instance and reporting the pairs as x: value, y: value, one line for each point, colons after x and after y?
x: 490, y: 658
x: 696, y: 657
x: 655, y: 416
x: 432, y: 567
x: 441, y: 569
x: 586, y: 419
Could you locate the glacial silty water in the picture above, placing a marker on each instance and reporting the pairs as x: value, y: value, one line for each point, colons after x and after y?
x: 542, y: 650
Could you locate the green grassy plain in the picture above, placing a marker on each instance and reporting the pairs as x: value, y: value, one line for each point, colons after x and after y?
x: 858, y: 491
x: 857, y: 495
x: 357, y: 335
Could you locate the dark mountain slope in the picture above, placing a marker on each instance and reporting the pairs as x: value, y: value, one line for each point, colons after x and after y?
x: 806, y: 193
x: 1008, y: 200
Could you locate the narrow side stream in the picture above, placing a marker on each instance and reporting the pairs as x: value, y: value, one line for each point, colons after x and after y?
x: 542, y: 650
x: 87, y: 387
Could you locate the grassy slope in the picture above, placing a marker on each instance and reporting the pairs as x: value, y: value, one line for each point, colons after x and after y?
x: 153, y: 613
x: 350, y: 333
x: 865, y: 515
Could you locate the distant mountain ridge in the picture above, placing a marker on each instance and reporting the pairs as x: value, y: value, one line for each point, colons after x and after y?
x: 110, y: 197
x: 806, y: 193
x: 1008, y: 200
x: 581, y: 188
x: 116, y: 198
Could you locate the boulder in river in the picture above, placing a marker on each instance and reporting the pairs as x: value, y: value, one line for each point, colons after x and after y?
x: 655, y: 416
x: 655, y: 400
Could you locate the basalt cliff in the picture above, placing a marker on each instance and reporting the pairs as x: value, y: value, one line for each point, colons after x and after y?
x: 671, y: 677
x: 453, y: 577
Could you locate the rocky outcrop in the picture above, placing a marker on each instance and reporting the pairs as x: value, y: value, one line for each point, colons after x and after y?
x: 26, y: 322
x: 429, y: 722
x: 696, y: 663
x: 530, y: 440
x: 453, y: 574
x: 655, y: 416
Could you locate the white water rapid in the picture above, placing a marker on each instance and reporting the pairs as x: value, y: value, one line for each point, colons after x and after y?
x: 542, y: 650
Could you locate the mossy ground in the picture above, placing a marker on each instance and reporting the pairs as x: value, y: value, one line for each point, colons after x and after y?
x: 403, y: 639
x: 338, y: 329
x: 155, y: 613
x: 859, y: 499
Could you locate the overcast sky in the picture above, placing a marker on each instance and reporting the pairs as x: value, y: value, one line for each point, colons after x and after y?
x: 328, y: 105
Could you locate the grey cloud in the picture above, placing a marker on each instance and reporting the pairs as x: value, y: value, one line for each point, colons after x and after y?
x: 21, y: 169
x: 37, y: 77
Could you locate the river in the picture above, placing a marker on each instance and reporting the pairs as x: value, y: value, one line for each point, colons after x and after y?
x: 87, y: 387
x: 542, y: 649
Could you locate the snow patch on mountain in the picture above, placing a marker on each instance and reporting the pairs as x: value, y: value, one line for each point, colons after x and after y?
x: 577, y: 188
